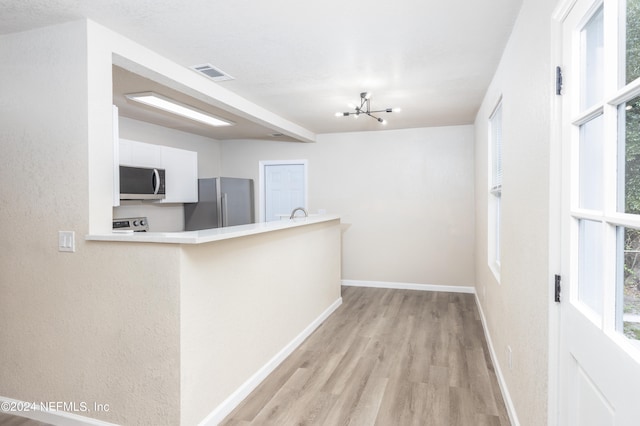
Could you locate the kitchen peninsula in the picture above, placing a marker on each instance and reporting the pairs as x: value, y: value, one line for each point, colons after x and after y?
x: 162, y: 333
x: 228, y: 305
x: 210, y: 235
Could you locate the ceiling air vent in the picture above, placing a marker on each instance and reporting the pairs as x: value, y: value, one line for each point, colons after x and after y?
x: 212, y: 72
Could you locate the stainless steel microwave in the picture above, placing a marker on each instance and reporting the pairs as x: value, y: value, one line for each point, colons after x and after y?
x: 141, y: 183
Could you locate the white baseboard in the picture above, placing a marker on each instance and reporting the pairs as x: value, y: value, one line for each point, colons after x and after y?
x: 410, y: 286
x: 39, y: 411
x: 233, y: 400
x: 511, y: 409
x: 62, y: 418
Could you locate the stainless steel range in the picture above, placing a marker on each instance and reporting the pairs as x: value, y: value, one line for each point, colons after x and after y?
x: 136, y: 224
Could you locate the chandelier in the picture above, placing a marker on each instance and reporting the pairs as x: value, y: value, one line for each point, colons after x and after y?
x: 365, y: 108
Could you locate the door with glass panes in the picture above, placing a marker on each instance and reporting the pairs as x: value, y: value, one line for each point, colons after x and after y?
x: 600, y: 311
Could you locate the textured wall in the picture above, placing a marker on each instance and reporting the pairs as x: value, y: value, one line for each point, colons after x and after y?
x: 405, y: 198
x: 517, y: 307
x: 83, y: 326
x: 243, y: 300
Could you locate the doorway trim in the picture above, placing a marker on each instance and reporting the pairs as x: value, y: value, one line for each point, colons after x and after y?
x: 558, y: 16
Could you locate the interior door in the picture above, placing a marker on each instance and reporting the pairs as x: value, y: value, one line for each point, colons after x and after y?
x: 284, y: 189
x: 599, y: 327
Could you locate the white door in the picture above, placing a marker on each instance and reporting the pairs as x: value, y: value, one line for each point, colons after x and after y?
x: 284, y: 188
x: 600, y: 308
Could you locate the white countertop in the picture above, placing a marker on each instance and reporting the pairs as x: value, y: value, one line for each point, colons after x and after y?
x: 210, y: 235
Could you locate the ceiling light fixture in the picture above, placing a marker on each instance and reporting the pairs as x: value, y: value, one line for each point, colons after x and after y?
x: 365, y: 108
x: 174, y: 107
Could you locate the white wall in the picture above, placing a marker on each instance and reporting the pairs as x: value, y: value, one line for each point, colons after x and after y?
x: 243, y: 300
x: 516, y: 308
x: 75, y: 326
x: 405, y: 198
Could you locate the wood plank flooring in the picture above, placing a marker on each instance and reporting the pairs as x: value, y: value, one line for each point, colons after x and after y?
x: 385, y: 357
x: 11, y: 420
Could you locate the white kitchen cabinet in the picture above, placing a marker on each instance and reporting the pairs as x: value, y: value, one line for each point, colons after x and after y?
x: 116, y: 157
x: 181, y: 175
x: 180, y: 165
x: 140, y: 154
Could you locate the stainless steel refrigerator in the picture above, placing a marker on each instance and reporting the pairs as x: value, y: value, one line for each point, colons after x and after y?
x: 221, y: 202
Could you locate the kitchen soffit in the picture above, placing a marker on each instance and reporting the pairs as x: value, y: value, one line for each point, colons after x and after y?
x: 125, y: 82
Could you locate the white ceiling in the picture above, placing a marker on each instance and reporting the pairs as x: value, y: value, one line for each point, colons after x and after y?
x: 306, y: 60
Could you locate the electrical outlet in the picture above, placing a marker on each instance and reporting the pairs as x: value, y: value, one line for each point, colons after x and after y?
x: 510, y: 357
x: 66, y: 241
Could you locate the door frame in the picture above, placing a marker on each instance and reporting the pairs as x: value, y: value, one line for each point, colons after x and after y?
x: 559, y: 15
x: 261, y: 184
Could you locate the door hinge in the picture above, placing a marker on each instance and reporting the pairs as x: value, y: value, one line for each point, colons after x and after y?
x: 558, y: 81
x: 557, y: 288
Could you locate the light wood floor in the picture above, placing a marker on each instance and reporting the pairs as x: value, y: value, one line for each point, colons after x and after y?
x: 10, y: 420
x: 385, y: 357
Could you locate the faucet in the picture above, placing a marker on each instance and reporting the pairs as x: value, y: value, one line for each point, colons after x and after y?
x: 293, y: 213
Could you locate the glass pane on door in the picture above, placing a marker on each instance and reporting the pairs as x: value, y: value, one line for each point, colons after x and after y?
x: 592, y: 40
x: 628, y: 295
x: 590, y: 165
x: 590, y: 264
x: 632, y: 35
x: 629, y: 156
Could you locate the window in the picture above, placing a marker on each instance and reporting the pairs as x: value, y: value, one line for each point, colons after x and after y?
x: 495, y: 188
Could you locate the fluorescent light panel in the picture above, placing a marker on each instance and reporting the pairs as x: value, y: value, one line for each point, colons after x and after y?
x: 169, y: 105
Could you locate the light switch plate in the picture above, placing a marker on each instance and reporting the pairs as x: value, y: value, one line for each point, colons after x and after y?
x: 66, y: 241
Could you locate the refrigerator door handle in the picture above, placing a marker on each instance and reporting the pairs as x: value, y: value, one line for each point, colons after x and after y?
x: 225, y: 220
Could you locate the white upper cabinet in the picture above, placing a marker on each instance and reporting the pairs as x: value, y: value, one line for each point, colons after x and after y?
x: 181, y: 175
x: 116, y: 157
x: 139, y: 154
x: 181, y: 167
